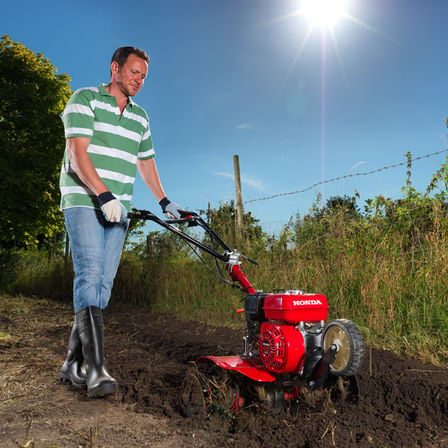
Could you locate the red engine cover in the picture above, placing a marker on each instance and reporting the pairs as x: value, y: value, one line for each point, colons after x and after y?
x: 296, y: 307
x: 280, y: 347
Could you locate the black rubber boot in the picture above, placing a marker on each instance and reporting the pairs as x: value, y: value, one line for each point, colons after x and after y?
x: 71, y: 371
x: 90, y: 328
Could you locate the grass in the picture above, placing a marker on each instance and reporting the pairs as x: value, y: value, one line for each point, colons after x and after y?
x: 4, y: 336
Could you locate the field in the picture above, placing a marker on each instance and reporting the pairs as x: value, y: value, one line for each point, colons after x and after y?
x: 403, y: 403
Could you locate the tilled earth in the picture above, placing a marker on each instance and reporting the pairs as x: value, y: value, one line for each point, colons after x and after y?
x: 403, y: 403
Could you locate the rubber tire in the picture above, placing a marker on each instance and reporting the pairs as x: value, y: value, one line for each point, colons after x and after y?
x: 352, y: 351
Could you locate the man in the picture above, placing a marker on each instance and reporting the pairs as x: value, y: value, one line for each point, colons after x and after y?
x: 107, y: 139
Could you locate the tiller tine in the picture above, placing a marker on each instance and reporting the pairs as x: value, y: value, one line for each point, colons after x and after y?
x: 322, y: 369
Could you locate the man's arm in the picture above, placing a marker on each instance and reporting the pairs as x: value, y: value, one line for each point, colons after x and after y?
x: 148, y: 171
x: 79, y: 158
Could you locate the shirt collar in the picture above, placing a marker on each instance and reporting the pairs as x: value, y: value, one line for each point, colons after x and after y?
x: 104, y: 92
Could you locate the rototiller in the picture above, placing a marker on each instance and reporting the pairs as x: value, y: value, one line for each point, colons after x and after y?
x: 290, y: 353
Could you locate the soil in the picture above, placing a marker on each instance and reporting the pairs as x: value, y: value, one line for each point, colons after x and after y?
x: 402, y: 403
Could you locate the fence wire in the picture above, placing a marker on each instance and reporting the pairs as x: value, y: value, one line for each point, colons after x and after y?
x: 347, y: 176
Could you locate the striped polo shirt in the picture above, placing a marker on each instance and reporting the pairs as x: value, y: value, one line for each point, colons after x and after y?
x: 116, y: 142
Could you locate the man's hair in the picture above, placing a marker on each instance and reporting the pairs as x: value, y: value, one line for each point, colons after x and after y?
x: 121, y: 55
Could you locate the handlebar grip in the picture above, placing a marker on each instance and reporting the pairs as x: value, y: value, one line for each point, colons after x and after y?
x: 184, y: 214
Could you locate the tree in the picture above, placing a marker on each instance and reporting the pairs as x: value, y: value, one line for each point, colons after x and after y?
x: 222, y: 221
x: 345, y: 206
x: 31, y: 145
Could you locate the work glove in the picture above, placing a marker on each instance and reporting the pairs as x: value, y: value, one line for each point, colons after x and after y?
x: 111, y: 207
x: 171, y: 209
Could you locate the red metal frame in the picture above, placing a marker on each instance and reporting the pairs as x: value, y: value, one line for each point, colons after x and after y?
x: 249, y: 367
x: 237, y: 275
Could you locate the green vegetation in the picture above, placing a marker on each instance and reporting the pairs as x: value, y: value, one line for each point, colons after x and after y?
x: 32, y: 143
x: 4, y: 336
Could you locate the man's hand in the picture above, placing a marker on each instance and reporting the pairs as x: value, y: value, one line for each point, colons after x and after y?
x: 111, y: 207
x: 171, y: 209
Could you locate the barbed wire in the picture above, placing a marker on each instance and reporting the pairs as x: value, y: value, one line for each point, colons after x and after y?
x: 347, y: 176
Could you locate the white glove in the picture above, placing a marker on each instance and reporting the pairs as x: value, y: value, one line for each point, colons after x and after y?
x: 112, y: 209
x: 171, y: 209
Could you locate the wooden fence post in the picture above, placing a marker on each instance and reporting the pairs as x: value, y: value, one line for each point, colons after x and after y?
x: 239, y: 210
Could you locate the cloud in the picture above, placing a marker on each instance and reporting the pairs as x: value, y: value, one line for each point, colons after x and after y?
x: 252, y: 182
x: 357, y: 164
x: 249, y: 181
x: 222, y: 174
x: 244, y: 126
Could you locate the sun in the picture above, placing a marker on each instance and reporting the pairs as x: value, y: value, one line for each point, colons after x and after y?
x: 323, y: 13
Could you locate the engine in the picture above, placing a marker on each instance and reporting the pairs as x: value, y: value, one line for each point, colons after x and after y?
x: 284, y: 329
x: 280, y: 347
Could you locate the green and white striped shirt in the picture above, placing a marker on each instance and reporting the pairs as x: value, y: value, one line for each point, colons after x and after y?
x: 116, y: 142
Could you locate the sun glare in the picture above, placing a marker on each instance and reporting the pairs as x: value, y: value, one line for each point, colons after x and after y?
x: 323, y: 13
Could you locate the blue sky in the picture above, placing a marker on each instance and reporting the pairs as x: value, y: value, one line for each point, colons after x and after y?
x: 242, y: 77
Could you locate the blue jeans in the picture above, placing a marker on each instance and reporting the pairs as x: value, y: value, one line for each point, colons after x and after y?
x: 96, y: 247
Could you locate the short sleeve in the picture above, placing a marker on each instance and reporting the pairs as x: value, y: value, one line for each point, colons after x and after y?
x: 78, y: 115
x: 146, y: 149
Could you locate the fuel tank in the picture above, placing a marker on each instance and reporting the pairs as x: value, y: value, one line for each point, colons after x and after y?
x: 295, y: 306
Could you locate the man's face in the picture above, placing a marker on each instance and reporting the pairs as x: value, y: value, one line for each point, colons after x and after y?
x: 131, y: 76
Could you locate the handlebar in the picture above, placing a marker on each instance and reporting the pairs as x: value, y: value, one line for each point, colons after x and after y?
x: 191, y: 219
x: 230, y: 257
